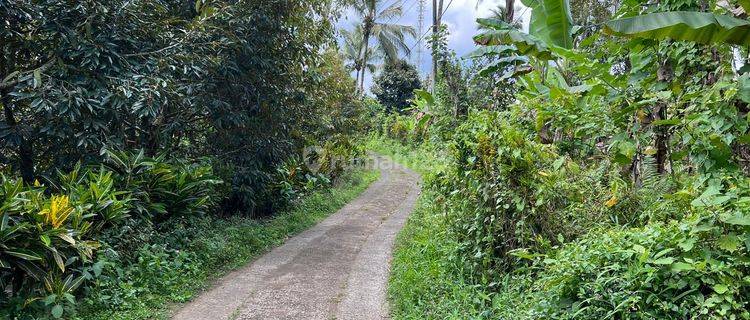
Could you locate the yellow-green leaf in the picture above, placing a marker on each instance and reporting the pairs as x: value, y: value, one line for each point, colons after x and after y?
x: 682, y: 266
x: 45, y: 239
x: 67, y: 238
x: 729, y: 243
x: 737, y: 219
x: 721, y: 288
x: 663, y: 261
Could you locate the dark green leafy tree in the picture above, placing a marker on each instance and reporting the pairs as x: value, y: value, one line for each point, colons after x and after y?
x: 395, y: 85
x: 191, y: 79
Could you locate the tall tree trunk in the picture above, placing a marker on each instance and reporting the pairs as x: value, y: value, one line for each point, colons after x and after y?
x: 662, y: 138
x: 358, y: 65
x: 437, y: 16
x: 664, y: 74
x: 366, y: 45
x: 510, y: 11
x: 434, y: 32
x: 356, y: 82
x: 25, y: 149
x: 366, y: 32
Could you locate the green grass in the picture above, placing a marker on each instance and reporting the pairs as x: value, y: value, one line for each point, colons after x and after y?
x: 423, y: 158
x: 423, y: 283
x: 153, y: 286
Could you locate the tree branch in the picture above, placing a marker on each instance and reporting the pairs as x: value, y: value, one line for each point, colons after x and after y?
x: 21, y: 76
x: 141, y: 54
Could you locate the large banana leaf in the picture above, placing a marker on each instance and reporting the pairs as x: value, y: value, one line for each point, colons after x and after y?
x: 516, y: 71
x: 494, y: 24
x: 489, y: 51
x: 559, y: 22
x: 701, y: 27
x: 504, y: 63
x: 538, y: 18
x: 744, y: 88
x: 551, y: 21
x: 526, y: 44
x: 503, y: 34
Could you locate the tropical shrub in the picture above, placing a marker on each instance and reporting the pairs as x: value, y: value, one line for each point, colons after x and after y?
x: 509, y: 197
x: 611, y: 184
x: 337, y: 154
x: 402, y: 128
x: 97, y: 193
x: 47, y: 243
x: 693, y: 268
x: 50, y: 234
x: 504, y: 193
x: 161, y: 189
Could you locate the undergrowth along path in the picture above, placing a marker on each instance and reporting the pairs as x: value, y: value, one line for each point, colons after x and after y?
x: 336, y: 270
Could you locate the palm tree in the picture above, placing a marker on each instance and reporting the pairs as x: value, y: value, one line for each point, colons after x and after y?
x: 503, y: 14
x: 351, y: 52
x: 390, y: 37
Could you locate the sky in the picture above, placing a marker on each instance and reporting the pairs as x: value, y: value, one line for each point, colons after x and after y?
x: 460, y: 18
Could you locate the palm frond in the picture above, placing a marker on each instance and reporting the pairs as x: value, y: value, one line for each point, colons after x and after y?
x: 392, y: 38
x: 390, y: 49
x: 394, y: 11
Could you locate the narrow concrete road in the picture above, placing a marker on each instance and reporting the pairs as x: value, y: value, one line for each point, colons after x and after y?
x: 336, y: 270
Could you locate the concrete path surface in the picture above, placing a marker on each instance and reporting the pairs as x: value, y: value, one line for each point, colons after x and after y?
x: 336, y: 270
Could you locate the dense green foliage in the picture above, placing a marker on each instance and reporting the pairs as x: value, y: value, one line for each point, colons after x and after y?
x: 521, y: 192
x: 394, y: 86
x: 613, y: 187
x: 50, y: 234
x: 138, y: 266
x: 594, y: 167
x: 126, y: 122
x: 192, y: 79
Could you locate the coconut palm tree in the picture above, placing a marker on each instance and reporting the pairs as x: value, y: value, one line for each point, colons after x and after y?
x: 503, y: 14
x: 376, y: 24
x: 351, y: 52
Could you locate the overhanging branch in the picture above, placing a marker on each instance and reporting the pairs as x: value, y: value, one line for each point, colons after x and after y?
x: 23, y: 75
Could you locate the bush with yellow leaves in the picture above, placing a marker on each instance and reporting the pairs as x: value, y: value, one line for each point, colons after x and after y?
x: 44, y: 243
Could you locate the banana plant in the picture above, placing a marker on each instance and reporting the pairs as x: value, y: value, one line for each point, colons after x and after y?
x: 424, y: 104
x: 514, y: 66
x: 499, y: 34
x: 509, y: 48
x: 551, y: 28
x: 551, y: 21
x: 551, y: 25
x: 700, y: 27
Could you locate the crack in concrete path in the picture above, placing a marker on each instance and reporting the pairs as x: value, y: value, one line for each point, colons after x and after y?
x: 336, y: 270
